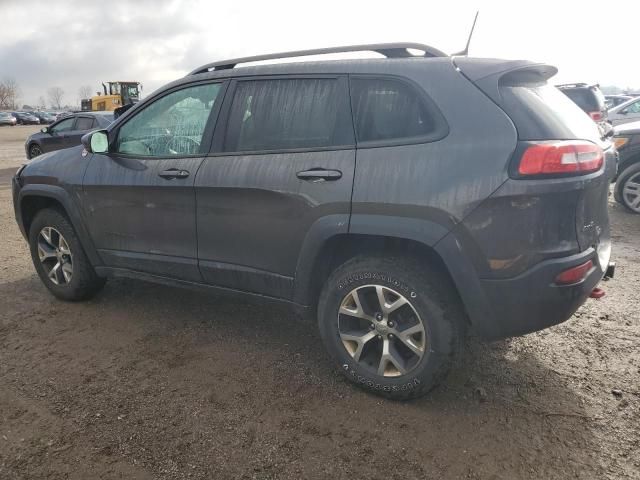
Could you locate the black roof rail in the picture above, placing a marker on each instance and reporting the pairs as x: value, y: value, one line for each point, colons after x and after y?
x: 568, y: 85
x: 389, y: 50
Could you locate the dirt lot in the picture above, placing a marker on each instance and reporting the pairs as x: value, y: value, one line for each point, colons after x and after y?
x: 153, y: 382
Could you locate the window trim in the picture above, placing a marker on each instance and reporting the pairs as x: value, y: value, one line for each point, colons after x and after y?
x: 209, y: 129
x: 442, y: 127
x: 220, y: 134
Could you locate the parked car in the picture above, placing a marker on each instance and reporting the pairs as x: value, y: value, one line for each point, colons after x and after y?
x: 615, y: 100
x: 44, y: 117
x: 66, y: 132
x: 25, y: 118
x: 478, y: 201
x: 591, y: 100
x: 625, y: 112
x: 7, y: 119
x: 627, y: 189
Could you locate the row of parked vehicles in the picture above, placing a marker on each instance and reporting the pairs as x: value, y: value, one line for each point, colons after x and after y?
x: 30, y: 118
x: 617, y: 116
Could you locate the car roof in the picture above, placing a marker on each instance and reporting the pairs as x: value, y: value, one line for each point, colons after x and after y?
x: 626, y: 128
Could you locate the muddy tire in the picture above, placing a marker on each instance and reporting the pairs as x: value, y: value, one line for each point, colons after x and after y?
x: 59, y: 258
x: 392, y: 325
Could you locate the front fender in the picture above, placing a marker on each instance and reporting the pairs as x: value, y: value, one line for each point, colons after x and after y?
x: 63, y: 197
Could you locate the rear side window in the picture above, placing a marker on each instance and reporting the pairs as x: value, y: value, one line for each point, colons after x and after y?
x: 284, y: 114
x: 389, y: 109
x: 84, y: 123
x: 542, y: 112
x: 588, y: 99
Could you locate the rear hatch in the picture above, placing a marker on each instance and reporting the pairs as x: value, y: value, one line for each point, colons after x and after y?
x: 544, y: 116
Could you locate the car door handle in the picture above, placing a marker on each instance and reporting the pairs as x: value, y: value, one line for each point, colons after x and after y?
x: 319, y: 174
x: 173, y: 173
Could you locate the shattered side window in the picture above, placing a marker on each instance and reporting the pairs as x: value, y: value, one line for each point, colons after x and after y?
x: 171, y: 126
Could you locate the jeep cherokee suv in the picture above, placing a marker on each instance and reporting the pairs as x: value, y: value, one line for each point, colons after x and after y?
x: 403, y: 200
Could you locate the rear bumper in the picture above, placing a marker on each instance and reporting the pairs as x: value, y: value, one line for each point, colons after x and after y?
x: 532, y: 301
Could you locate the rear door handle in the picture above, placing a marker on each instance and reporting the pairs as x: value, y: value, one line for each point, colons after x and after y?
x: 319, y: 174
x: 173, y: 173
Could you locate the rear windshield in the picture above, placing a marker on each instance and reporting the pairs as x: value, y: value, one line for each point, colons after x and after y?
x: 541, y: 112
x: 588, y: 99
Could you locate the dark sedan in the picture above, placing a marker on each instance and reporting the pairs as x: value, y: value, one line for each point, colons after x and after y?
x: 44, y: 117
x: 25, y: 118
x: 66, y: 132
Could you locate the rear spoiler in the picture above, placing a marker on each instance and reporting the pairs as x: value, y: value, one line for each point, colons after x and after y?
x: 489, y: 73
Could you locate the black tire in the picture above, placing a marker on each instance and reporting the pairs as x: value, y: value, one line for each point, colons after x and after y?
x: 34, y: 150
x: 624, y: 178
x: 84, y: 283
x: 431, y: 296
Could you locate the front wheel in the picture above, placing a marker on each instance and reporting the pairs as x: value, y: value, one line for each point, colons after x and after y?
x: 59, y: 258
x: 392, y: 326
x: 34, y: 150
x: 627, y: 189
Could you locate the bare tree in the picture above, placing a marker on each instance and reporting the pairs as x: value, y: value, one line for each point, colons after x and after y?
x: 41, y: 102
x: 84, y: 92
x: 9, y: 93
x: 55, y: 95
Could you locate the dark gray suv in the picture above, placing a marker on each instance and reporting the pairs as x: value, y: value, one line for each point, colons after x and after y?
x: 401, y: 200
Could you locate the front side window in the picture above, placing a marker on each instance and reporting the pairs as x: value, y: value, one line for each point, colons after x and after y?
x: 287, y: 114
x: 173, y: 125
x: 388, y: 109
x: 64, y: 126
x: 633, y: 108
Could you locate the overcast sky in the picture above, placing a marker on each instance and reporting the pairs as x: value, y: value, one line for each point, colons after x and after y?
x: 70, y: 43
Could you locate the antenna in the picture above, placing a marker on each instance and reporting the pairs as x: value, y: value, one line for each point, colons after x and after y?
x: 465, y: 52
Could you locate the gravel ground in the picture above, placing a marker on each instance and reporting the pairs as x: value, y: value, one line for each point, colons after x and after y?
x: 147, y: 381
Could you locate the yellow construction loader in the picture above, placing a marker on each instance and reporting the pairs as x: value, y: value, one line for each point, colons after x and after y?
x: 114, y: 95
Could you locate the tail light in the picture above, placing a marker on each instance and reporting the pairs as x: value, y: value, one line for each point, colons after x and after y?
x: 561, y: 157
x: 596, y: 116
x: 574, y: 274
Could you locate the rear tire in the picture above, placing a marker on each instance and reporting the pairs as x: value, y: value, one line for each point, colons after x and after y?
x: 627, y: 189
x: 59, y: 258
x: 392, y: 325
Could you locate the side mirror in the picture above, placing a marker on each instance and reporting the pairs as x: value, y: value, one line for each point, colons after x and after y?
x: 45, y: 130
x: 623, y: 112
x: 96, y: 141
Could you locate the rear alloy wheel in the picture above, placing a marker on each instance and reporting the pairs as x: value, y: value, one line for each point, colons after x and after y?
x: 392, y: 341
x: 35, y: 150
x: 392, y: 325
x: 628, y: 188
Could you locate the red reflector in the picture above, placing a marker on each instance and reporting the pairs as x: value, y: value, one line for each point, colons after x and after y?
x: 596, y: 116
x: 574, y: 274
x: 561, y: 157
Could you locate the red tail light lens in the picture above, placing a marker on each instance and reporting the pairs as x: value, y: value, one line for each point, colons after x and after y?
x: 561, y: 157
x: 574, y: 274
x: 596, y: 116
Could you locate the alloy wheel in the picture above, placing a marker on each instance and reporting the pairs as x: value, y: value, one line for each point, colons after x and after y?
x: 35, y: 150
x: 381, y: 330
x: 55, y: 255
x: 631, y: 192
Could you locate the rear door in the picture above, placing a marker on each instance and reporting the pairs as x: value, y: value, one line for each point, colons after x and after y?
x: 284, y: 171
x: 82, y: 125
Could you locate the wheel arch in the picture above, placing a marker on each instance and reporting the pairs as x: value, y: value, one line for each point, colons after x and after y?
x: 34, y: 198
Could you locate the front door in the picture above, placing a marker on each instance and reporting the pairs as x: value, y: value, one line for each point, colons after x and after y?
x: 284, y: 168
x: 139, y: 199
x: 56, y: 138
